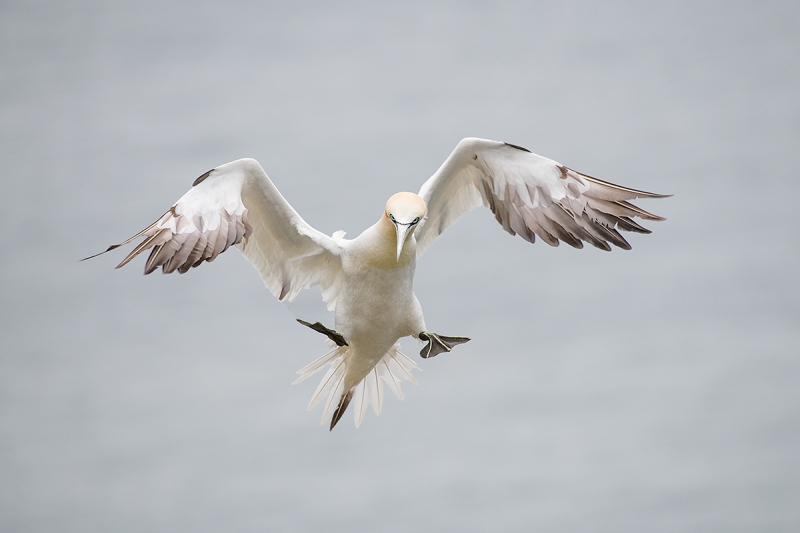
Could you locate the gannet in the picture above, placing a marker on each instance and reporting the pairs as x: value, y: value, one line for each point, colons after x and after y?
x: 368, y: 281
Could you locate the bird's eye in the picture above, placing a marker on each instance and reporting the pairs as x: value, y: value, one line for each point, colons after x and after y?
x: 391, y: 216
x: 416, y: 220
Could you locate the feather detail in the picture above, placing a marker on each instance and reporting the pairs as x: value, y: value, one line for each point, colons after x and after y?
x: 393, y: 368
x: 316, y: 365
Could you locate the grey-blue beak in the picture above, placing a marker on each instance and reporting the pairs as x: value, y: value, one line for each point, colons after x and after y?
x: 402, y: 234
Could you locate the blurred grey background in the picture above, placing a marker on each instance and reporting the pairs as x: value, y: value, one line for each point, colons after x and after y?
x: 651, y: 390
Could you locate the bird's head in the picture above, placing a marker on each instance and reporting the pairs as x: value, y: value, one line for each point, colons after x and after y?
x: 405, y: 210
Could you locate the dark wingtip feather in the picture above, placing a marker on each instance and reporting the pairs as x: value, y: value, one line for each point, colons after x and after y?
x: 145, y: 230
x: 640, y: 212
x: 638, y: 193
x: 600, y: 245
x: 200, y: 179
x: 613, y: 236
x: 517, y: 147
x: 626, y: 224
x: 112, y: 247
x: 144, y: 245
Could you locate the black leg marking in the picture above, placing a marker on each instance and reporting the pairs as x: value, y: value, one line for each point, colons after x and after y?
x: 331, y: 334
x: 343, y: 403
x: 439, y: 344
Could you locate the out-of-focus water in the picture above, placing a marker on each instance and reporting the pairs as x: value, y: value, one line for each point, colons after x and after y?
x: 650, y: 390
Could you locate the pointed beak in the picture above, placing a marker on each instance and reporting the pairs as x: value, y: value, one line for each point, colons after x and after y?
x: 402, y: 233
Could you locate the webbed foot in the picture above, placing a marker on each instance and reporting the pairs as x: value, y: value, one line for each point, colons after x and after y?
x: 331, y: 334
x: 439, y: 344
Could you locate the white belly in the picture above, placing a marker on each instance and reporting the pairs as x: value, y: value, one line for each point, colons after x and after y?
x: 375, y: 308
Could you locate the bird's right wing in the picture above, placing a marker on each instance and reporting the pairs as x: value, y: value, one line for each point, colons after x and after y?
x: 237, y: 204
x: 530, y: 196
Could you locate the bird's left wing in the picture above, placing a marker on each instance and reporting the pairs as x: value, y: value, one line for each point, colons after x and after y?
x: 237, y: 204
x: 530, y: 196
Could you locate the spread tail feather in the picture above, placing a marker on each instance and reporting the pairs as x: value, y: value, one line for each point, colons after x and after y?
x: 390, y: 371
x: 343, y: 403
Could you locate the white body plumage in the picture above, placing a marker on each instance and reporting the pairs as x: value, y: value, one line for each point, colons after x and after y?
x: 376, y: 305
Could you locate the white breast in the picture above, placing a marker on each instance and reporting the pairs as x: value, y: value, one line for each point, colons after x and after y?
x: 376, y: 304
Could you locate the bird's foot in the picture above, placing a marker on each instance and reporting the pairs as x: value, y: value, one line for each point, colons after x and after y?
x: 439, y: 344
x: 331, y: 334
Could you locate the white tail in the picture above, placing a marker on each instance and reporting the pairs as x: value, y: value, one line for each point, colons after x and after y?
x: 392, y: 369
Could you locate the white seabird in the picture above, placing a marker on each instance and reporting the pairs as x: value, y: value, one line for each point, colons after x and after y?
x: 368, y: 281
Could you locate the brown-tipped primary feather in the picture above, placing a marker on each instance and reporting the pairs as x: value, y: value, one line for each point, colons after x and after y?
x: 126, y: 241
x: 548, y: 226
x: 112, y: 247
x: 602, y: 232
x: 629, y: 225
x: 562, y: 225
x: 618, y: 209
x: 148, y: 265
x: 566, y: 218
x: 144, y: 245
x: 606, y: 190
x: 176, y: 243
x: 640, y: 212
x: 162, y: 255
x: 211, y: 238
x: 177, y: 260
x: 196, y: 254
x: 535, y: 227
x: 611, y: 221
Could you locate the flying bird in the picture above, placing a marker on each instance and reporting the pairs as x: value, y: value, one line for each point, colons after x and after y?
x: 368, y: 281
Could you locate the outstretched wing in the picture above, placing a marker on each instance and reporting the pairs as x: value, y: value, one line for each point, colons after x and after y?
x: 530, y: 196
x: 237, y: 204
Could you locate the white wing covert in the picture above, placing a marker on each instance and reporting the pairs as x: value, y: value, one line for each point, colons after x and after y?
x: 530, y: 196
x: 237, y: 204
